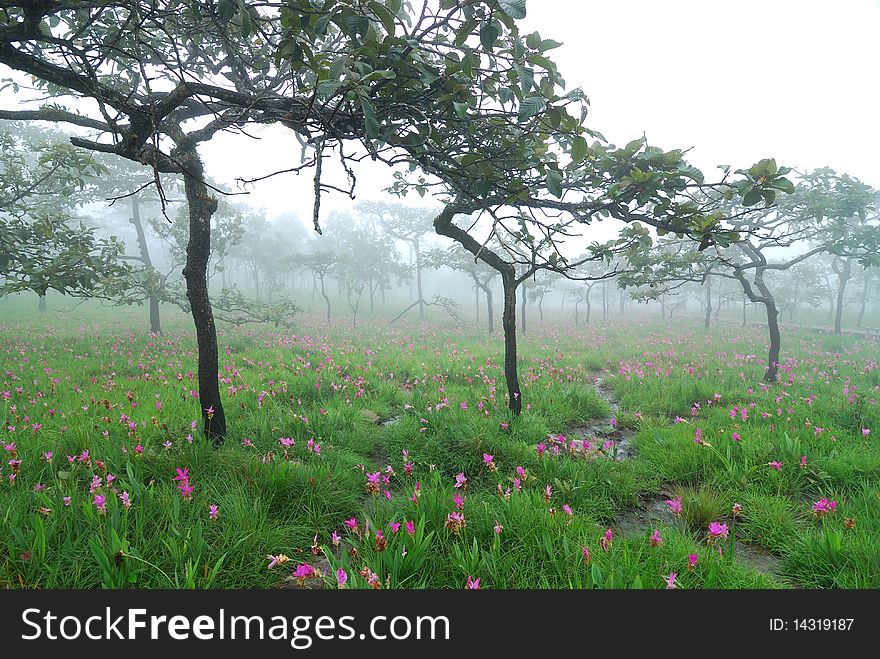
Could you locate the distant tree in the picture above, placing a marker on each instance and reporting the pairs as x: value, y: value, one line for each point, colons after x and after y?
x: 459, y: 260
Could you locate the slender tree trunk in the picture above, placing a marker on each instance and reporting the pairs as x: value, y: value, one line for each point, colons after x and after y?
x: 843, y: 276
x: 222, y: 275
x: 864, y: 300
x: 490, y: 312
x: 477, y: 302
x: 155, y: 322
x: 775, y: 342
x: 419, y: 278
x: 541, y: 308
x: 589, y: 309
x: 745, y: 301
x: 708, y: 319
x: 42, y: 304
x: 324, y: 295
x: 523, y: 310
x: 577, y: 311
x: 198, y: 251
x: 604, y: 300
x: 508, y: 322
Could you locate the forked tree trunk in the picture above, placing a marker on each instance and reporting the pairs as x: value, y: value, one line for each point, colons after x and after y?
x: 198, y: 251
x: 324, y: 295
x: 155, y: 322
x: 864, y: 300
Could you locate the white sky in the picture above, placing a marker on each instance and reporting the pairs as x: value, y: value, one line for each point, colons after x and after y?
x: 734, y: 81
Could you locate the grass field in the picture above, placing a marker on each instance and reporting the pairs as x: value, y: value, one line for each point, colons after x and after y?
x: 387, y: 453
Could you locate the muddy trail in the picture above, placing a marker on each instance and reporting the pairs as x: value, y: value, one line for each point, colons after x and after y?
x: 652, y: 510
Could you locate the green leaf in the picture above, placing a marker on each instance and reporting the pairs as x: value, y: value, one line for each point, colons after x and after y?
x: 357, y: 25
x: 461, y: 109
x: 554, y: 183
x: 489, y: 35
x: 548, y: 44
x: 752, y: 197
x: 371, y: 123
x: 385, y: 16
x: 513, y: 8
x: 579, y: 149
x: 530, y: 106
x: 783, y: 185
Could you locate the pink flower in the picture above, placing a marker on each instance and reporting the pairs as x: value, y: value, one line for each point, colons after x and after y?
x: 489, y: 461
x: 698, y: 436
x: 410, y: 527
x: 670, y: 581
x: 674, y: 505
x: 126, y: 500
x: 823, y: 507
x: 866, y: 432
x: 540, y: 448
x: 775, y: 465
x: 692, y: 561
x: 280, y: 559
x: 717, y: 530
x: 351, y: 524
x: 548, y: 493
x: 605, y: 541
x: 212, y: 511
x: 803, y: 461
x: 461, y: 481
x: 459, y: 502
x: 100, y: 503
x: 341, y: 578
x: 67, y: 501
x: 395, y: 527
x: 335, y: 539
x: 304, y: 571
x: 47, y: 456
x: 498, y: 528
x: 586, y: 552
x: 736, y: 436
x: 567, y: 509
x: 656, y: 540
x: 472, y: 584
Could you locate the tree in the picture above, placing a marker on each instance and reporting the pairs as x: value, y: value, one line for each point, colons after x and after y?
x: 459, y: 260
x: 408, y: 224
x: 43, y: 183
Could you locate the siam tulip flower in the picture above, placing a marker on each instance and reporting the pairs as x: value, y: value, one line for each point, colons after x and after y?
x: 737, y: 509
x: 489, y: 461
x: 498, y: 528
x: 504, y: 425
x: 586, y: 553
x: 45, y: 511
x: 341, y: 578
x: 47, y: 456
x: 280, y: 559
x: 540, y: 448
x: 823, y: 507
x: 736, y: 436
x: 381, y: 542
x: 461, y: 481
x: 717, y: 530
x: 670, y: 581
x: 614, y: 422
x: 692, y: 561
x: 304, y: 571
x: 517, y: 484
x: 373, y: 485
x: 372, y: 578
x: 803, y: 461
x: 126, y: 499
x: 606, y: 540
x: 472, y: 584
x: 351, y: 524
x: 698, y: 436
x: 567, y: 510
x: 410, y: 527
x: 548, y: 493
x: 458, y: 500
x: 775, y: 465
x: 335, y: 539
x: 521, y: 473
x: 395, y: 527
x: 674, y: 505
x: 100, y: 503
x: 39, y: 487
x: 455, y: 522
x: 866, y: 432
x: 656, y: 540
x: 66, y: 501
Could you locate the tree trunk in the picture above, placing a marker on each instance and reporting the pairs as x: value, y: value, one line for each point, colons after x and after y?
x: 477, y: 302
x: 42, y: 304
x: 541, y: 308
x: 419, y: 278
x: 843, y: 277
x: 508, y: 321
x: 864, y: 301
x: 589, y: 309
x: 155, y: 322
x: 775, y: 342
x: 324, y: 295
x: 604, y: 300
x: 490, y: 312
x: 198, y: 251
x: 523, y: 311
x: 745, y: 301
x: 708, y: 319
x: 577, y: 312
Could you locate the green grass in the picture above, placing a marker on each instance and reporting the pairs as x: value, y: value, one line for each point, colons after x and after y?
x: 73, y: 382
